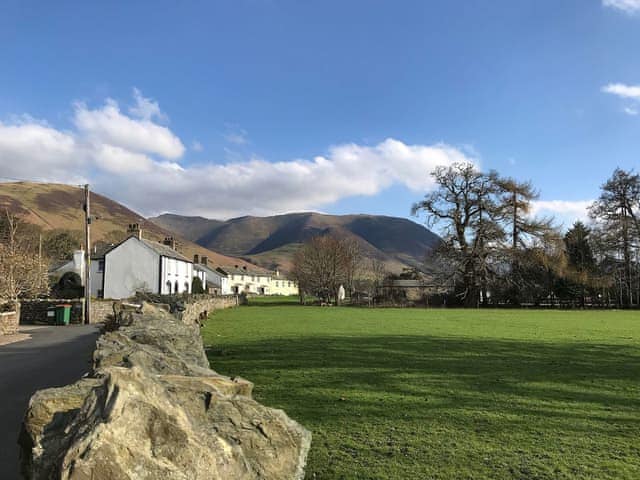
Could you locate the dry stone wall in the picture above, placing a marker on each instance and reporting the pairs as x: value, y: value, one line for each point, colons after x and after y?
x: 9, y: 322
x: 151, y: 408
x: 192, y: 308
x: 35, y: 311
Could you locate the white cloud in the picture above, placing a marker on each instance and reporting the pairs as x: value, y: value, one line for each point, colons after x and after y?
x: 623, y: 91
x: 236, y: 135
x: 139, y: 162
x: 109, y: 125
x: 35, y: 150
x: 260, y: 187
x: 627, y: 6
x: 146, y: 108
x: 565, y: 211
x: 196, y: 146
x: 630, y: 111
x: 120, y: 161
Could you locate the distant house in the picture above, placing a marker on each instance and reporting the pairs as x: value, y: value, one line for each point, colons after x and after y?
x: 281, y: 285
x: 137, y: 264
x: 213, y: 281
x: 411, y: 289
x: 75, y: 265
x: 244, y: 280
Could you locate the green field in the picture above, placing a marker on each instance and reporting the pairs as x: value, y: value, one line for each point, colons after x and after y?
x: 445, y: 394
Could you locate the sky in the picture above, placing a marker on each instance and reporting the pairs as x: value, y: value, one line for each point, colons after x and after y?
x: 257, y: 107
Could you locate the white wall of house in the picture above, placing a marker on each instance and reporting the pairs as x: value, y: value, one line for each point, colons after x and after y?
x: 177, y: 276
x: 250, y: 283
x: 97, y: 278
x: 283, y: 286
x: 219, y: 282
x: 201, y: 274
x: 75, y: 265
x: 130, y: 267
x: 225, y: 288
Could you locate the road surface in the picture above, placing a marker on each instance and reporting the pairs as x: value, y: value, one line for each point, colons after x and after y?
x: 52, y: 357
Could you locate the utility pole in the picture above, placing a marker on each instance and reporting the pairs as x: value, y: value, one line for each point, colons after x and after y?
x: 87, y: 256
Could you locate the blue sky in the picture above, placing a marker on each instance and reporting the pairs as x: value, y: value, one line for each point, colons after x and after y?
x: 266, y: 106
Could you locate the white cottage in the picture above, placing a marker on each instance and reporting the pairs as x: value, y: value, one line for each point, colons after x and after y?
x: 243, y: 280
x: 214, y: 282
x: 138, y: 264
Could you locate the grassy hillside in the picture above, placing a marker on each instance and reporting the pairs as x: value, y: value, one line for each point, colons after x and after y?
x: 53, y: 206
x: 445, y: 394
x: 271, y: 241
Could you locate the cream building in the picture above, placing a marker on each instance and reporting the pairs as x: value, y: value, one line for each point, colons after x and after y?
x: 258, y: 282
x: 281, y: 285
x: 244, y: 280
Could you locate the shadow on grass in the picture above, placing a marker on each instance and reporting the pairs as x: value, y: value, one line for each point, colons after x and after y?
x: 503, y: 394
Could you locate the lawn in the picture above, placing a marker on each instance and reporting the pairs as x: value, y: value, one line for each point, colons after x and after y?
x: 445, y: 394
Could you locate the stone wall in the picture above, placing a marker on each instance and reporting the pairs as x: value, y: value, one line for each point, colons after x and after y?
x: 35, y: 311
x: 101, y: 310
x: 198, y: 307
x: 190, y: 308
x: 9, y: 323
x: 152, y: 408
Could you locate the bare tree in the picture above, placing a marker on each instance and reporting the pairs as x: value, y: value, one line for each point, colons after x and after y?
x: 464, y: 203
x: 23, y: 272
x: 617, y: 212
x: 323, y: 264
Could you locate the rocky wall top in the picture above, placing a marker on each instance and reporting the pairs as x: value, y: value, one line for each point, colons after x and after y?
x: 152, y: 409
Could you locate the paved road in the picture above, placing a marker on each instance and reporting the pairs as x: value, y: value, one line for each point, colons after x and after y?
x: 54, y: 356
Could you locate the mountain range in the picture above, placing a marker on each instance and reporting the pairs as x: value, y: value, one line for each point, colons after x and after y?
x: 271, y: 241
x: 55, y: 206
x: 268, y: 242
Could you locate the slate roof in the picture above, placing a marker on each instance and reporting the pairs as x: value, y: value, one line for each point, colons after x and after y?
x: 206, y: 268
x: 159, y: 248
x: 242, y: 271
x: 164, y: 250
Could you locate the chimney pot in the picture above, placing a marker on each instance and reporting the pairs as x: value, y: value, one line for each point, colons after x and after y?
x: 134, y: 229
x: 170, y: 242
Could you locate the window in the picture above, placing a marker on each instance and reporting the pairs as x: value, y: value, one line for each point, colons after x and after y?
x: 100, y: 293
x: 175, y: 289
x: 289, y: 283
x: 169, y: 287
x: 101, y: 266
x: 242, y: 278
x: 253, y: 278
x: 186, y: 287
x: 277, y: 284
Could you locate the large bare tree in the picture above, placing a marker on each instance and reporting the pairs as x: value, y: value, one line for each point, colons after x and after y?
x: 325, y: 263
x: 617, y: 212
x: 464, y: 204
x: 23, y: 271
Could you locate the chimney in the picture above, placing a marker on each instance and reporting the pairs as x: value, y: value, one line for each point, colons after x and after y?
x: 170, y: 242
x: 277, y: 272
x: 135, y: 230
x: 204, y: 260
x: 196, y: 259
